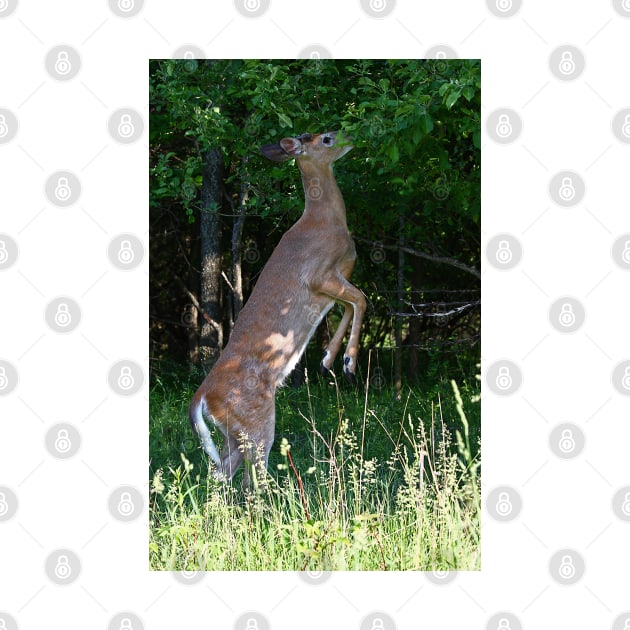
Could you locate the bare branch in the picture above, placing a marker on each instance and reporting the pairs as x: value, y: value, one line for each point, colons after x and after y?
x: 215, y: 325
x: 414, y: 252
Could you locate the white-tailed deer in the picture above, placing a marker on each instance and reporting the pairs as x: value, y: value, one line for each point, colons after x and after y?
x: 306, y: 274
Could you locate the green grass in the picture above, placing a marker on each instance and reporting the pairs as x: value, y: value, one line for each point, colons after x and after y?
x: 357, y: 481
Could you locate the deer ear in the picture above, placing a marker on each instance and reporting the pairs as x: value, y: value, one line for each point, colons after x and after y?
x: 286, y: 149
x: 291, y: 146
x: 274, y: 152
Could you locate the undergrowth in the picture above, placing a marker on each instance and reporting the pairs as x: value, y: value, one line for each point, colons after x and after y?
x: 358, y: 480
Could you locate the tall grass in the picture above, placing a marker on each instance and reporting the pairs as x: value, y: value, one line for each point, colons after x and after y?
x: 360, y: 481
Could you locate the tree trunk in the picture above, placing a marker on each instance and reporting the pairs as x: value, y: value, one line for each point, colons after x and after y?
x: 237, y: 243
x: 400, y: 288
x: 191, y: 314
x: 211, y: 340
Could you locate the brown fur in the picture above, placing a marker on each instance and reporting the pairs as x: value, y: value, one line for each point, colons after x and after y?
x: 307, y: 272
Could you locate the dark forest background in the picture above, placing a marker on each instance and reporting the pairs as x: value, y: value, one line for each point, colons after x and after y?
x: 411, y: 187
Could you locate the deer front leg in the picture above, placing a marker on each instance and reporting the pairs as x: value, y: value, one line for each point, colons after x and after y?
x: 334, y: 345
x: 338, y: 288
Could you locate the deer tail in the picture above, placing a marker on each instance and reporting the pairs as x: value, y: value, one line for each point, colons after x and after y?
x: 195, y: 414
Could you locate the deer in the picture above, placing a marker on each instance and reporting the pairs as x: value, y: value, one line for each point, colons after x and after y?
x: 306, y: 274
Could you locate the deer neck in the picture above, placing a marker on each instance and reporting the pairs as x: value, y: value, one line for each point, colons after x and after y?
x: 324, y: 201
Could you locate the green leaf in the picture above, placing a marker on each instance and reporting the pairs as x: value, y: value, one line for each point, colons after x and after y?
x: 426, y: 123
x: 451, y: 99
x: 285, y: 121
x: 393, y: 153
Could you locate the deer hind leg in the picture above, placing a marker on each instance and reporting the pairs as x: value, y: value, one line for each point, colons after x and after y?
x: 232, y: 456
x: 335, y: 343
x: 338, y: 288
x: 257, y: 448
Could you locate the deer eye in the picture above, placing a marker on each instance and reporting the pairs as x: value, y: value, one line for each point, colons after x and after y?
x: 327, y: 140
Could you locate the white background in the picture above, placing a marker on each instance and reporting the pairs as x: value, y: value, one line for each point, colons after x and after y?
x: 63, y: 378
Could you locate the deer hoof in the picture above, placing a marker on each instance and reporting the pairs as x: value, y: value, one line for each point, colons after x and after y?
x: 350, y: 376
x: 323, y: 368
